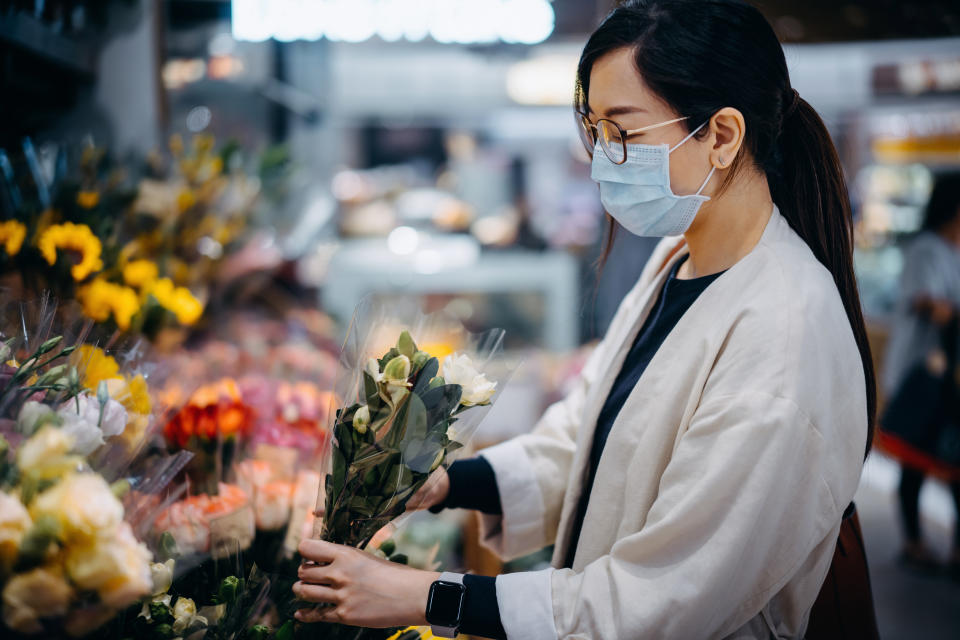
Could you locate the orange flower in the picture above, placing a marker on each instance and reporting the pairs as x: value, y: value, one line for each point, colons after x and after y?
x: 214, y: 410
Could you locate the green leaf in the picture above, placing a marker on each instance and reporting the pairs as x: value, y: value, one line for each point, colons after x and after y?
x: 426, y: 374
x: 371, y: 391
x: 339, y: 470
x: 412, y: 422
x: 441, y: 401
x: 286, y: 632
x: 405, y: 345
x: 388, y: 356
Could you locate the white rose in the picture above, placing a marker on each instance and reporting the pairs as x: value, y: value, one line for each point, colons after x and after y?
x: 116, y: 566
x: 83, y: 505
x: 460, y: 369
x: 82, y: 420
x: 272, y: 505
x: 14, y: 523
x: 34, y: 415
x: 40, y: 593
x: 43, y: 448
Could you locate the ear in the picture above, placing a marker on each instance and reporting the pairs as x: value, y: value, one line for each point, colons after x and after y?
x: 728, y: 129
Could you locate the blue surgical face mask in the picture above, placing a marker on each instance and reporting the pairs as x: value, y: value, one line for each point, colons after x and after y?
x: 637, y: 193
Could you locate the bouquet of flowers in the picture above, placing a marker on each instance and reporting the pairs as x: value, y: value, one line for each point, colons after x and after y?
x: 389, y: 443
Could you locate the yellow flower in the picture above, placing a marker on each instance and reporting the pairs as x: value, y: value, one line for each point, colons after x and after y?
x: 140, y: 273
x: 12, y: 234
x: 82, y: 504
x: 185, y: 200
x: 115, y: 565
x: 177, y: 300
x: 40, y: 593
x: 176, y: 144
x: 14, y: 523
x: 101, y: 299
x: 72, y: 237
x: 132, y: 393
x: 88, y: 199
x: 95, y: 365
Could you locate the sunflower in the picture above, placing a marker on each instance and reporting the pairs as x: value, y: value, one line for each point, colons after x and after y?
x: 72, y: 237
x: 177, y: 300
x: 12, y: 234
x: 101, y: 299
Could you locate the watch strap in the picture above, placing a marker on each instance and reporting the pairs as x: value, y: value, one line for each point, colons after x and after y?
x: 447, y: 632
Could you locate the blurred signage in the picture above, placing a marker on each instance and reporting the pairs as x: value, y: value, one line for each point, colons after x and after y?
x: 917, y: 77
x: 446, y: 21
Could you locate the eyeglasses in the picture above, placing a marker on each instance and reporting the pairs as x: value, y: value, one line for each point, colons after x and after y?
x: 612, y: 137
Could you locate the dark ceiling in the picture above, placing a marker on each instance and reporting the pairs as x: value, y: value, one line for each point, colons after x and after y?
x: 794, y: 21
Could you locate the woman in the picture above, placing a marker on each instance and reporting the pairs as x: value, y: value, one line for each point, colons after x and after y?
x: 693, y: 482
x: 929, y: 307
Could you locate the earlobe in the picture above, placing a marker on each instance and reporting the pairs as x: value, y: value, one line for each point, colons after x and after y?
x: 729, y: 130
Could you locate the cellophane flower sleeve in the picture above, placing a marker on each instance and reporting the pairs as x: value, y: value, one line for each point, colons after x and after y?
x: 411, y: 391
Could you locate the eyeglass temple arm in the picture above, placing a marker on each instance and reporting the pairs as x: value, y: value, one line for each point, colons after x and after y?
x: 630, y: 132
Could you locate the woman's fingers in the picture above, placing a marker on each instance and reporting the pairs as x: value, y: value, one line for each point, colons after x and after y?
x: 318, y: 550
x: 325, y: 575
x: 316, y: 593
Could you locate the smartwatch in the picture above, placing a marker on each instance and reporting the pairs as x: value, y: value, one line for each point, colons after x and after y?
x: 445, y: 604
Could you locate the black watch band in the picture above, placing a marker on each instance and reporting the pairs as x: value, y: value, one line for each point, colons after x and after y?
x: 445, y: 604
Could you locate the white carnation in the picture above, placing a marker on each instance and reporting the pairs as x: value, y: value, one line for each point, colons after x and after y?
x: 82, y: 421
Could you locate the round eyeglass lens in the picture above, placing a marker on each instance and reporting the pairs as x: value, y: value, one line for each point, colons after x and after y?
x: 585, y: 129
x: 612, y: 141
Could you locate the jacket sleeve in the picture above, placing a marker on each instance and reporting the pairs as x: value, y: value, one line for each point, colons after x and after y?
x: 746, y: 499
x: 531, y: 473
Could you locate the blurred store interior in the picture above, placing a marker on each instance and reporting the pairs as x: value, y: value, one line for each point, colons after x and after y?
x: 401, y: 149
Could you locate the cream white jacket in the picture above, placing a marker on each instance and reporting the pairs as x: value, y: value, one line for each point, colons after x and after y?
x: 718, y: 499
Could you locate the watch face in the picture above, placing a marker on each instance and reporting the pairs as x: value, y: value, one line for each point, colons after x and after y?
x: 445, y: 603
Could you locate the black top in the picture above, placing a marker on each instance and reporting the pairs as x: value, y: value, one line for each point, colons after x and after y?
x: 473, y: 483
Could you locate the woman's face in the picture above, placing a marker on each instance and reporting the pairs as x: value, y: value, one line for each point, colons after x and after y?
x: 618, y: 93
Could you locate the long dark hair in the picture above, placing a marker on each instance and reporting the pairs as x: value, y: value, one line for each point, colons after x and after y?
x: 702, y: 55
x: 944, y: 204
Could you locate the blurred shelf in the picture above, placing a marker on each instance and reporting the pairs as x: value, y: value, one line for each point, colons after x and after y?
x: 457, y: 266
x: 40, y: 41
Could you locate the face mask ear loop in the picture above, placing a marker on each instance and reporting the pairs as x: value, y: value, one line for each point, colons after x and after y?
x: 690, y: 135
x: 709, y: 175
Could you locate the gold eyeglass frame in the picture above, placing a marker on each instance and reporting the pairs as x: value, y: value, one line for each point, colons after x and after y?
x: 594, y: 129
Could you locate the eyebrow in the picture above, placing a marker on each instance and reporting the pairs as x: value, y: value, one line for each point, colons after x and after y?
x: 619, y: 111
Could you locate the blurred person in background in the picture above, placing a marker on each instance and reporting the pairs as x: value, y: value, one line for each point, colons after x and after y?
x: 695, y: 480
x: 921, y: 361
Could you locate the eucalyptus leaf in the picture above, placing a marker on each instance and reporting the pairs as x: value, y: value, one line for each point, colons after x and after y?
x: 426, y: 374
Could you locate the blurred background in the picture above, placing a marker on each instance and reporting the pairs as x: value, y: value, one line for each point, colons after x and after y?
x: 427, y: 150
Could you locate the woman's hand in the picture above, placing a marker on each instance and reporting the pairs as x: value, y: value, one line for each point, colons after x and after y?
x: 434, y: 491
x: 364, y: 590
